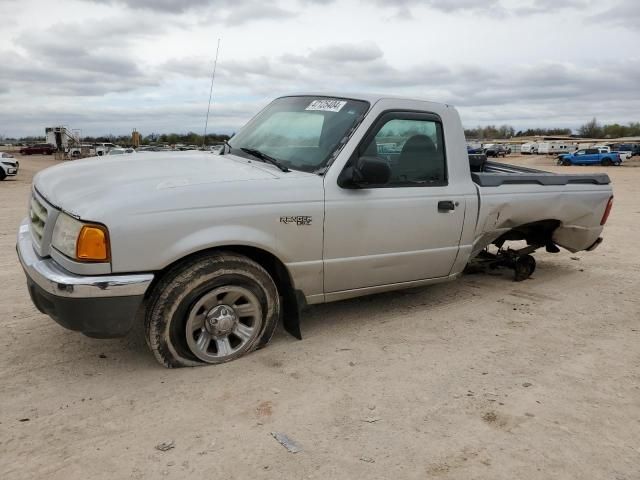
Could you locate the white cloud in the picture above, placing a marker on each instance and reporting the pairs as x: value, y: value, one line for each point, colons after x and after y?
x: 110, y: 65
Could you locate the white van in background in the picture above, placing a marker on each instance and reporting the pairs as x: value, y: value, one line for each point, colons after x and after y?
x: 529, y: 149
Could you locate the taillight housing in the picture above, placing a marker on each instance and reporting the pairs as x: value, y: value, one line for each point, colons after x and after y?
x: 607, y: 211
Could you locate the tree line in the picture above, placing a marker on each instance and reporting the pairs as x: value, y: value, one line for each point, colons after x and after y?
x: 190, y: 138
x: 591, y: 129
x: 507, y: 131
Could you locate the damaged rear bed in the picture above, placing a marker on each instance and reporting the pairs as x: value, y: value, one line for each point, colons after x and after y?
x: 523, y: 203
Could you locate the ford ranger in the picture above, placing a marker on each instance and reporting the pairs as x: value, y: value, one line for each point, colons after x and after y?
x: 317, y: 199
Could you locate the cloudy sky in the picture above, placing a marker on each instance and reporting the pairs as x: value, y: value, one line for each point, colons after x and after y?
x: 107, y: 66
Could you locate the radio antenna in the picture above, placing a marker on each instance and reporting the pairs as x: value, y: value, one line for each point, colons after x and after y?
x: 213, y: 77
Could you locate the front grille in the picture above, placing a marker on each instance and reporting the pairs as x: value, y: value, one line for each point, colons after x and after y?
x: 38, y: 219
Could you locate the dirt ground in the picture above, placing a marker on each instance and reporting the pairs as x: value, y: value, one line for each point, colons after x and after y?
x: 483, y: 378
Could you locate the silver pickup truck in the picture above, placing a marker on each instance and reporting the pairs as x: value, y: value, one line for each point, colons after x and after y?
x: 318, y: 198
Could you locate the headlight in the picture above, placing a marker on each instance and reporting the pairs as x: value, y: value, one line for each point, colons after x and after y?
x: 80, y: 241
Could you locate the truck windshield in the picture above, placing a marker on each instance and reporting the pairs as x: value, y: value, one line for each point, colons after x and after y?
x: 300, y: 132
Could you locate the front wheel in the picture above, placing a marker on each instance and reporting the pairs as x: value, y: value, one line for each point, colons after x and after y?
x: 211, y: 309
x: 3, y: 175
x: 566, y: 163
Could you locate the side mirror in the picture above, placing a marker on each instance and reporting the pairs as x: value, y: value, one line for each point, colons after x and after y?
x: 365, y: 171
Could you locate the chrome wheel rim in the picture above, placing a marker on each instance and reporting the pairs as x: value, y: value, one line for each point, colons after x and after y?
x: 222, y: 323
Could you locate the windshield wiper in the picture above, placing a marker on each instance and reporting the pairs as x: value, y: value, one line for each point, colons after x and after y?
x: 265, y: 158
x: 226, y: 144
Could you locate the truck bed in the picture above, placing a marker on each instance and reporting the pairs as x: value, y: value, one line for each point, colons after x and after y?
x: 494, y: 174
x: 510, y: 196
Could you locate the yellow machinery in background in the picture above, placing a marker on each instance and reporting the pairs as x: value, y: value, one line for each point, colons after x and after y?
x: 135, y: 138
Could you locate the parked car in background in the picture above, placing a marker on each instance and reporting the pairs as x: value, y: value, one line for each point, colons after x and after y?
x: 153, y: 148
x: 529, y: 149
x: 121, y: 151
x: 103, y: 148
x: 624, y: 155
x: 632, y: 148
x: 495, y: 150
x: 85, y: 149
x: 474, y: 150
x: 183, y: 148
x: 8, y: 165
x: 590, y: 156
x: 216, y: 148
x: 38, y: 148
x: 608, y: 149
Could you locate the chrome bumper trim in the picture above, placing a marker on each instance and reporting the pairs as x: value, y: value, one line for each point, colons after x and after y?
x: 57, y: 281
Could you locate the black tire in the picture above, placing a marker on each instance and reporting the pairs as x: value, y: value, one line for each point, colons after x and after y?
x: 524, y: 267
x: 566, y: 163
x: 3, y: 175
x: 606, y: 162
x: 178, y: 291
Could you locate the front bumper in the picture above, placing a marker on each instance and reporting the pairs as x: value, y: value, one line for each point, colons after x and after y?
x: 102, y: 306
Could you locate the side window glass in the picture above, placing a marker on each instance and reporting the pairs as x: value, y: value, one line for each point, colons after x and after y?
x: 413, y: 149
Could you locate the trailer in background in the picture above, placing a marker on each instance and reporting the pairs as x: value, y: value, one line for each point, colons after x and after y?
x: 556, y: 148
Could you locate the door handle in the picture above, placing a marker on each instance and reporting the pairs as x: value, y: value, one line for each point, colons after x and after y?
x: 446, y: 205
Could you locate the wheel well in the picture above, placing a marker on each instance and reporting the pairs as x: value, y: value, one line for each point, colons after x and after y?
x: 266, y: 260
x: 292, y: 300
x: 535, y: 233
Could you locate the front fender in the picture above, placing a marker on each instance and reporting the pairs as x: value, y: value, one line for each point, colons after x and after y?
x: 220, y: 236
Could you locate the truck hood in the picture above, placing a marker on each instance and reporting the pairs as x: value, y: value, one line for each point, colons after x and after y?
x: 91, y: 184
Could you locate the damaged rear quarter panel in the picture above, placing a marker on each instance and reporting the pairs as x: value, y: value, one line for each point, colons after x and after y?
x: 579, y: 209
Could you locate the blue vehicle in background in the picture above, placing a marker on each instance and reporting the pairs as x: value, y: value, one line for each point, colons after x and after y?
x: 590, y: 156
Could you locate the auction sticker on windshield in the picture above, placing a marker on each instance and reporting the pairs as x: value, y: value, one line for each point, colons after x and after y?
x: 327, y: 105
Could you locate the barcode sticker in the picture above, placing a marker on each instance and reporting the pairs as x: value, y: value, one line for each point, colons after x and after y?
x: 327, y: 105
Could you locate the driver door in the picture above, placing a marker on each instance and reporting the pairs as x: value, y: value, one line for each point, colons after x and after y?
x: 404, y: 230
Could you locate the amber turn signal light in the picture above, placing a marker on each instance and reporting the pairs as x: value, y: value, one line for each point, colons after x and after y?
x: 93, y: 244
